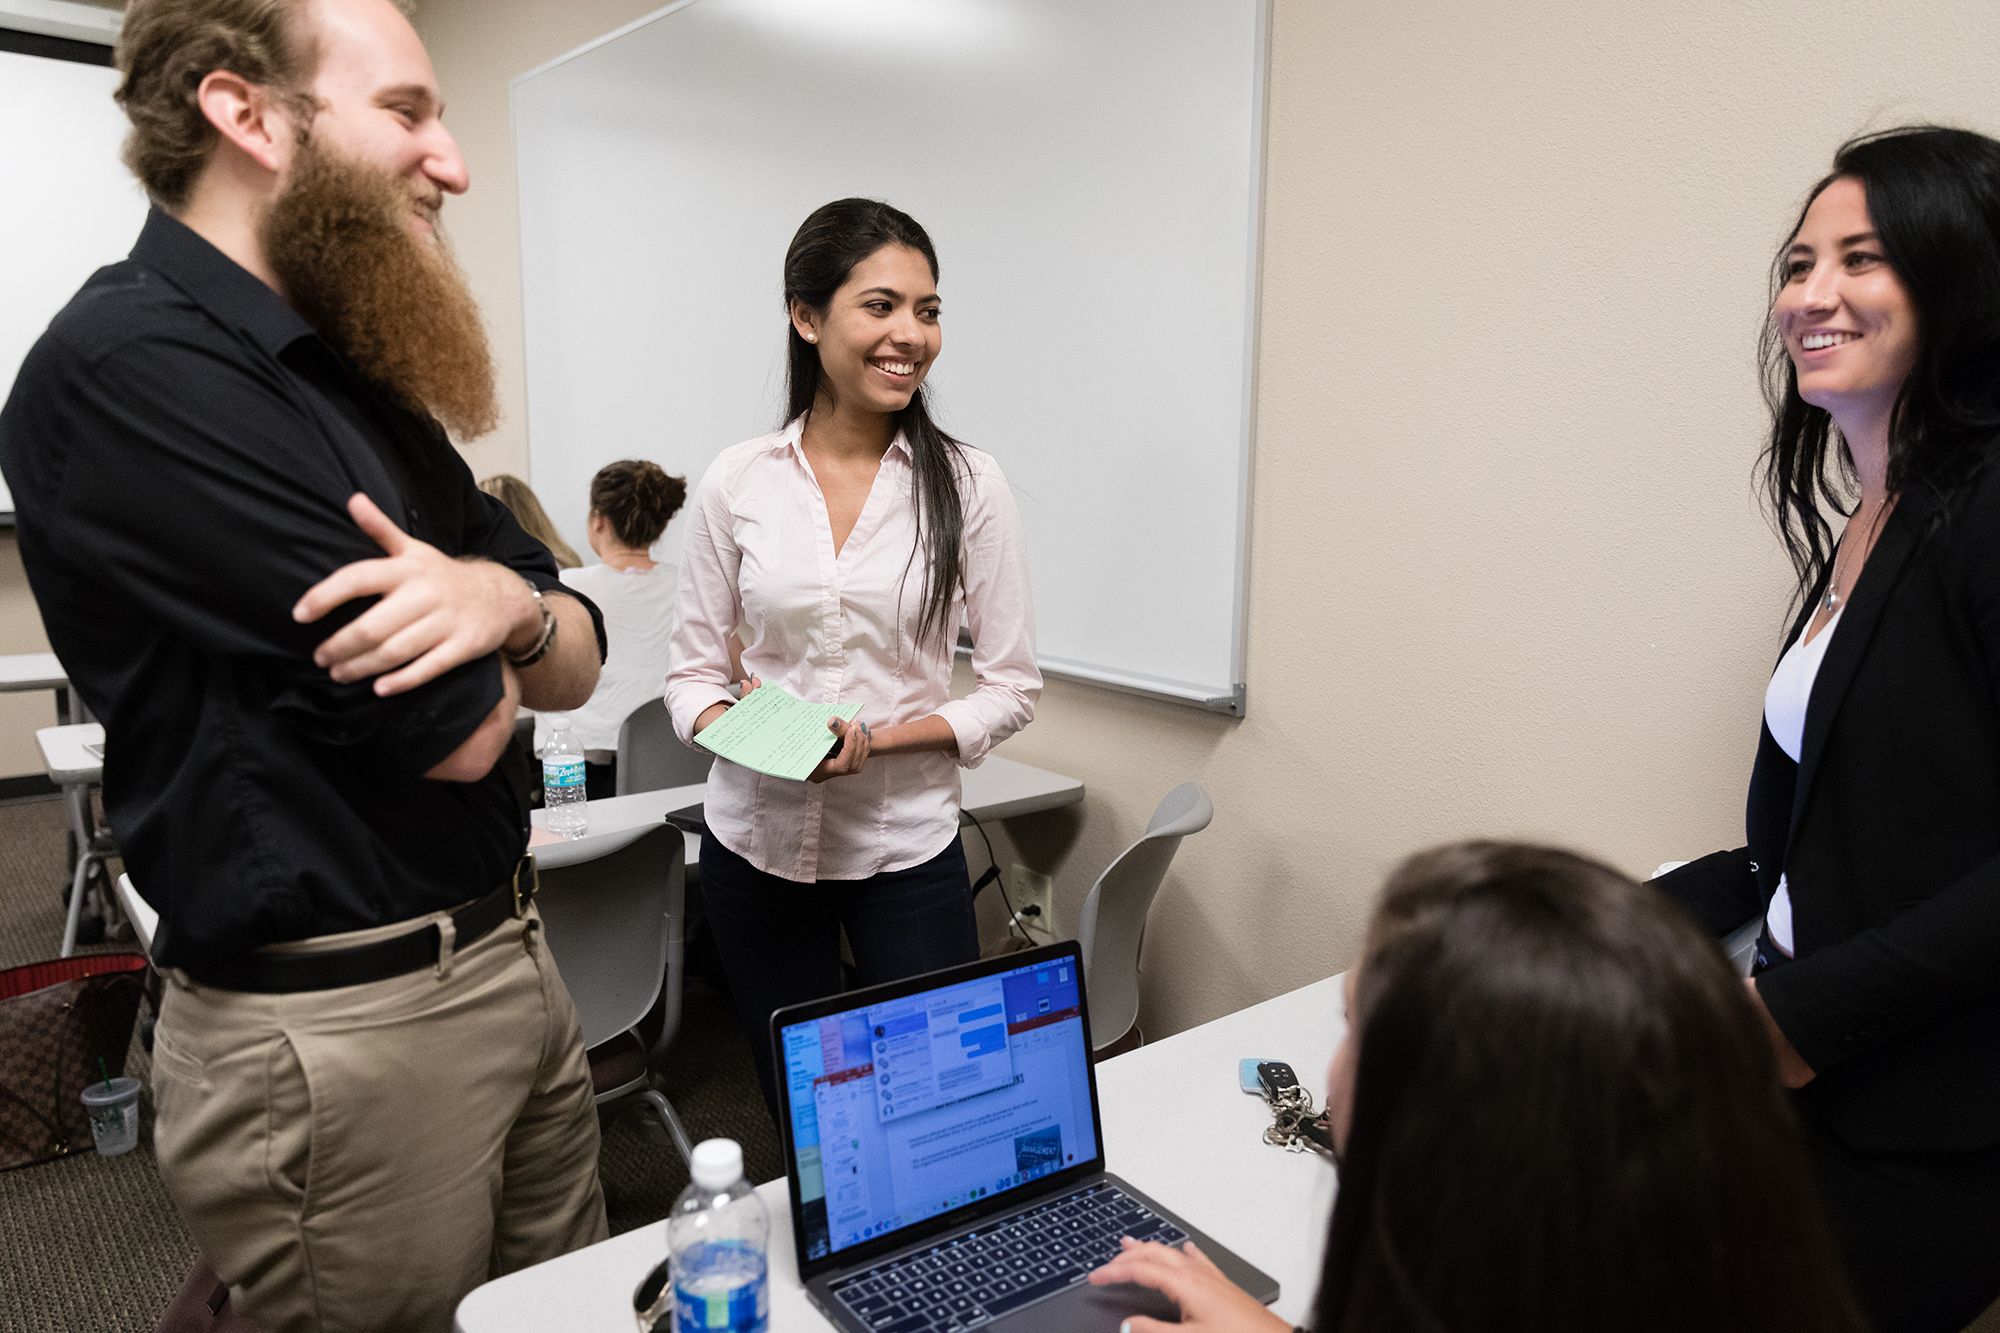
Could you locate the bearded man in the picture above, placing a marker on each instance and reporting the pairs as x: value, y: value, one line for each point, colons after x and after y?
x: 267, y: 570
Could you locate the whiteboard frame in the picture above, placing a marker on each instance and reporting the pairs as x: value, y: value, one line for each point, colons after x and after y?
x: 1233, y: 700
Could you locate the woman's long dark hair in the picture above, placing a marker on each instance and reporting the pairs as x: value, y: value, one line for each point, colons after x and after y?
x: 828, y: 245
x: 1566, y: 1118
x: 1934, y: 199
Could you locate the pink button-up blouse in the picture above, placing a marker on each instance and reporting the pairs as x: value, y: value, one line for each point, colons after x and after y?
x: 759, y: 555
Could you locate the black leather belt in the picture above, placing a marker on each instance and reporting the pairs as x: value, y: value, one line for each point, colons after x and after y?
x: 283, y: 973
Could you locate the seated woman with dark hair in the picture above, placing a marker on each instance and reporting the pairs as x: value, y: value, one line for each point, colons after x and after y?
x: 1555, y: 1110
x: 631, y: 503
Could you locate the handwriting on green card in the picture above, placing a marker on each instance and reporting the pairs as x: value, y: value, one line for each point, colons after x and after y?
x: 775, y: 733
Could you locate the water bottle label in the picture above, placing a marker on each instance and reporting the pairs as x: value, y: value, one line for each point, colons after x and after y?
x: 742, y: 1309
x: 721, y: 1288
x: 562, y: 772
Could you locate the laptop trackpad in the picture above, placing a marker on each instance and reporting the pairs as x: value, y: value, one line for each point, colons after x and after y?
x: 1087, y: 1309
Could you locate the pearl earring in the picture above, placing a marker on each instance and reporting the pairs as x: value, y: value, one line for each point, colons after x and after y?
x: 812, y: 337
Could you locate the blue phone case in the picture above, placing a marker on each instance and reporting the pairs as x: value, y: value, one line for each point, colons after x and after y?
x: 1246, y: 1076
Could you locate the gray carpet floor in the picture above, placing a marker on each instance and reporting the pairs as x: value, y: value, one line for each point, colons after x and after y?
x: 93, y: 1244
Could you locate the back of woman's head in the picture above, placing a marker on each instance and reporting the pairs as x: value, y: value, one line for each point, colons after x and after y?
x: 638, y: 499
x: 1566, y: 1116
x: 527, y: 510
x: 1933, y: 197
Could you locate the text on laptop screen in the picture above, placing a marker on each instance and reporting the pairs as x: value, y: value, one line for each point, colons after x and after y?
x: 925, y: 1103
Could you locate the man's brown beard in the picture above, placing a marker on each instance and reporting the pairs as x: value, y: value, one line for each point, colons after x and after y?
x: 394, y: 304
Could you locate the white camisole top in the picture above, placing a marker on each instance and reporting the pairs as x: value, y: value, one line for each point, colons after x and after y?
x: 1785, y: 700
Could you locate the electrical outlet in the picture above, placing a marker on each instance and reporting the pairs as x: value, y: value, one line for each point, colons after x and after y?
x: 1029, y: 889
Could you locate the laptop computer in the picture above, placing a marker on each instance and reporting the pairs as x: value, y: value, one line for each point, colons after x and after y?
x: 944, y: 1159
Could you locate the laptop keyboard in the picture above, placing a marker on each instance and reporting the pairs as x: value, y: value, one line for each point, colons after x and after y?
x: 970, y: 1280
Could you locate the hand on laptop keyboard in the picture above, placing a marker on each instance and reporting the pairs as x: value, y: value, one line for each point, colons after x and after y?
x: 977, y: 1277
x: 1209, y: 1302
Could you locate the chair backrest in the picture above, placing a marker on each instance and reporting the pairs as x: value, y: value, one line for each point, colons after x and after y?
x: 1113, y: 925
x: 651, y: 757
x: 613, y: 905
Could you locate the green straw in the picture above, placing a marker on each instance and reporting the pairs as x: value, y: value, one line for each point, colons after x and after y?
x: 104, y: 1071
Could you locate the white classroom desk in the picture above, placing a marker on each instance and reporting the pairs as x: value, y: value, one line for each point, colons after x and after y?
x: 999, y: 788
x: 31, y: 671
x: 1175, y: 1124
x: 38, y: 671
x: 72, y: 755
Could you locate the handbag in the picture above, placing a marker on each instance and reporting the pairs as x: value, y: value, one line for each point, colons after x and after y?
x: 57, y: 1021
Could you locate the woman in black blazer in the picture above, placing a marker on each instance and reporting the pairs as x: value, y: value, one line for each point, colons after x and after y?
x: 1873, y: 850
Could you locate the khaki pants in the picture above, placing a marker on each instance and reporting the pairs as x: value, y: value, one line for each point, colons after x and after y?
x: 361, y: 1158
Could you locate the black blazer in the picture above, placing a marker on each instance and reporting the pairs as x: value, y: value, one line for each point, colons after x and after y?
x: 1888, y: 828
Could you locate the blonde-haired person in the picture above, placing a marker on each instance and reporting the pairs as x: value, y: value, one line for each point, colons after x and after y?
x: 631, y: 503
x: 522, y: 503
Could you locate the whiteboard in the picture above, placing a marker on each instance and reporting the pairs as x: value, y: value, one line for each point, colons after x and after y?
x: 1089, y: 171
x: 72, y: 207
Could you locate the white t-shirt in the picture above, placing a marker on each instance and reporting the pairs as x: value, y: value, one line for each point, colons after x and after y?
x: 638, y: 607
x: 1785, y: 700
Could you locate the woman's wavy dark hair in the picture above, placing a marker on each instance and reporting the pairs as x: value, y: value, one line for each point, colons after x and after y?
x: 828, y: 245
x: 1934, y: 198
x: 1566, y: 1118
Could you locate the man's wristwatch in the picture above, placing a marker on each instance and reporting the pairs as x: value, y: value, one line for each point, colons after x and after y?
x: 548, y: 635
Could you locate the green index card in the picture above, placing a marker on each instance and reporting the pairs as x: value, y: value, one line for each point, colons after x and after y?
x: 775, y: 733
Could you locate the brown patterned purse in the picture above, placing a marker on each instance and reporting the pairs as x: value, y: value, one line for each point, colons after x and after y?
x: 57, y: 1020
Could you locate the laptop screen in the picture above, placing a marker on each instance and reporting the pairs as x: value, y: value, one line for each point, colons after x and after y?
x: 912, y: 1106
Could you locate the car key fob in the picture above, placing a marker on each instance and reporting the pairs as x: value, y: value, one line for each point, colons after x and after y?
x: 1276, y: 1078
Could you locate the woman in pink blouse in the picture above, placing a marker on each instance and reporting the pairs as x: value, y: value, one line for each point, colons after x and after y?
x: 847, y: 549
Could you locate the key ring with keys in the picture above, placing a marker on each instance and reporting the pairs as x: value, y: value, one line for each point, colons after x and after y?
x: 1295, y: 1127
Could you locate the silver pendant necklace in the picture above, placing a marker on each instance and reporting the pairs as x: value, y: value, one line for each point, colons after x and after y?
x: 1832, y: 600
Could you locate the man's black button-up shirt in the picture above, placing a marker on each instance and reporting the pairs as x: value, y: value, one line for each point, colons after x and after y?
x: 181, y: 447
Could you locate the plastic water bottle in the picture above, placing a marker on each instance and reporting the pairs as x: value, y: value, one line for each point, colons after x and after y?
x: 562, y: 780
x: 718, y: 1235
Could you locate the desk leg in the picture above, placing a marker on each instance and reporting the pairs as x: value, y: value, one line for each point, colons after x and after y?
x: 78, y: 796
x: 67, y: 705
x: 70, y: 707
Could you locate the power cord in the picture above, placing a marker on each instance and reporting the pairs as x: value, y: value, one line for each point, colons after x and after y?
x: 991, y: 875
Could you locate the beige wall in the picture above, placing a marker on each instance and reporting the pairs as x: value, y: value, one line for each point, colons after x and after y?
x: 478, y: 48
x: 20, y: 632
x: 1507, y: 576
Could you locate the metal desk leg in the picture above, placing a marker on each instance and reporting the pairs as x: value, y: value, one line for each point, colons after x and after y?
x: 79, y: 831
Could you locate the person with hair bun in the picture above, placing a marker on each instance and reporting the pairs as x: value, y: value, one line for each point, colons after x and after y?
x: 631, y: 503
x: 850, y: 547
x: 1873, y: 851
x: 1555, y: 1110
